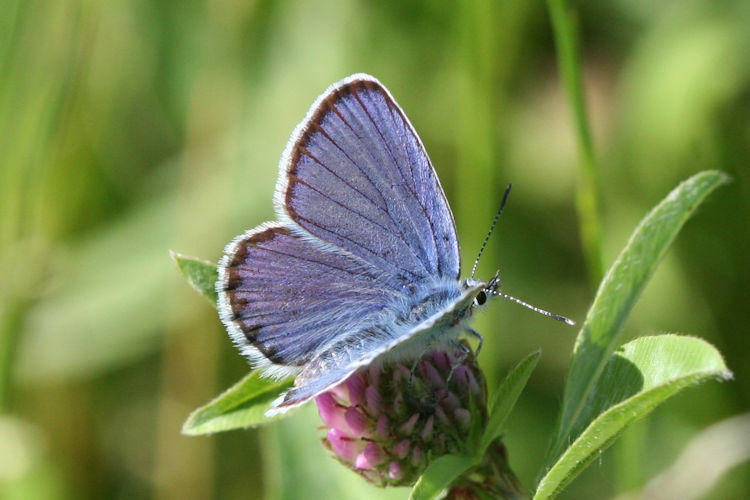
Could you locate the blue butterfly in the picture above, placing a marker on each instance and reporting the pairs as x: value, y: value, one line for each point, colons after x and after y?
x: 363, y: 263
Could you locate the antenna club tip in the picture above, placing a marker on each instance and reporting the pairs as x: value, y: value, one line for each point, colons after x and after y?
x: 565, y: 320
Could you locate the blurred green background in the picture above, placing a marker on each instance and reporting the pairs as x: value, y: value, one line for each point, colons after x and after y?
x: 131, y: 127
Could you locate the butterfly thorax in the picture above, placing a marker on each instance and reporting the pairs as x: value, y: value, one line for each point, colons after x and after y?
x: 437, y: 309
x: 433, y: 297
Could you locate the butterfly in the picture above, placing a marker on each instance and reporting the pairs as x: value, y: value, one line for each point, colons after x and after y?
x: 363, y: 263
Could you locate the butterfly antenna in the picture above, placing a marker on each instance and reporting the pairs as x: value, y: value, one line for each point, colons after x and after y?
x: 492, y: 228
x: 565, y: 320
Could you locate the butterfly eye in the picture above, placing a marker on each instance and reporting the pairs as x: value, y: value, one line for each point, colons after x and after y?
x: 481, y: 298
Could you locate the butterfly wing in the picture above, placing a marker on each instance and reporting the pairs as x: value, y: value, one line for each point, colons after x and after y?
x: 356, y: 175
x: 339, y: 361
x: 282, y: 297
x: 364, y: 222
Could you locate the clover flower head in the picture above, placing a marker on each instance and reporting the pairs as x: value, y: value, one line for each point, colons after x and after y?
x: 388, y: 421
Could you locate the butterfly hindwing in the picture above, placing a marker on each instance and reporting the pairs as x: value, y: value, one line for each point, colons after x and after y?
x: 338, y: 360
x: 283, y: 297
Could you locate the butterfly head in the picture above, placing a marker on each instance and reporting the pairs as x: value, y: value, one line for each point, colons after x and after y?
x: 489, y: 290
x: 483, y: 290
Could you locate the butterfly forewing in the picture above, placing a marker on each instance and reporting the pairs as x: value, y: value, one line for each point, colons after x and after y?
x: 357, y: 176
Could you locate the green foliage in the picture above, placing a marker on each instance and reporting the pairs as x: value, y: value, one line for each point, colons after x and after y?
x: 241, y: 406
x: 504, y: 399
x: 565, y: 28
x: 641, y: 375
x: 244, y: 404
x: 440, y: 474
x: 201, y: 275
x: 606, y: 393
x: 618, y: 292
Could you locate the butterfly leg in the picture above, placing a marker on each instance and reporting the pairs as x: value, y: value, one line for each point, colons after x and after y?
x: 477, y: 336
x: 466, y: 351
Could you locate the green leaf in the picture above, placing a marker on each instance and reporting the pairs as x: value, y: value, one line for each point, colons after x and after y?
x: 242, y: 405
x: 439, y: 475
x: 201, y: 274
x: 641, y: 375
x: 504, y: 399
x: 618, y: 292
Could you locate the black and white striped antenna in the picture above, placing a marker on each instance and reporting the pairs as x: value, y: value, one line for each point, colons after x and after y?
x: 494, y: 284
x: 492, y: 228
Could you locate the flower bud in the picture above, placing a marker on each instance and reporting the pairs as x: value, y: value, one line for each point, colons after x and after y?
x: 388, y: 421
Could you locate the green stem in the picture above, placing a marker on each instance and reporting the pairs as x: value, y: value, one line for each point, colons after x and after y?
x: 10, y: 322
x: 565, y: 29
x: 493, y: 478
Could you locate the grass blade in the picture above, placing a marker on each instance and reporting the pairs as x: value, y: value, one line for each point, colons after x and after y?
x: 565, y: 29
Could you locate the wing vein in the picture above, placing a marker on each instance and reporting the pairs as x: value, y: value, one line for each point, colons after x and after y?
x: 355, y: 243
x: 401, y: 173
x: 374, y: 185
